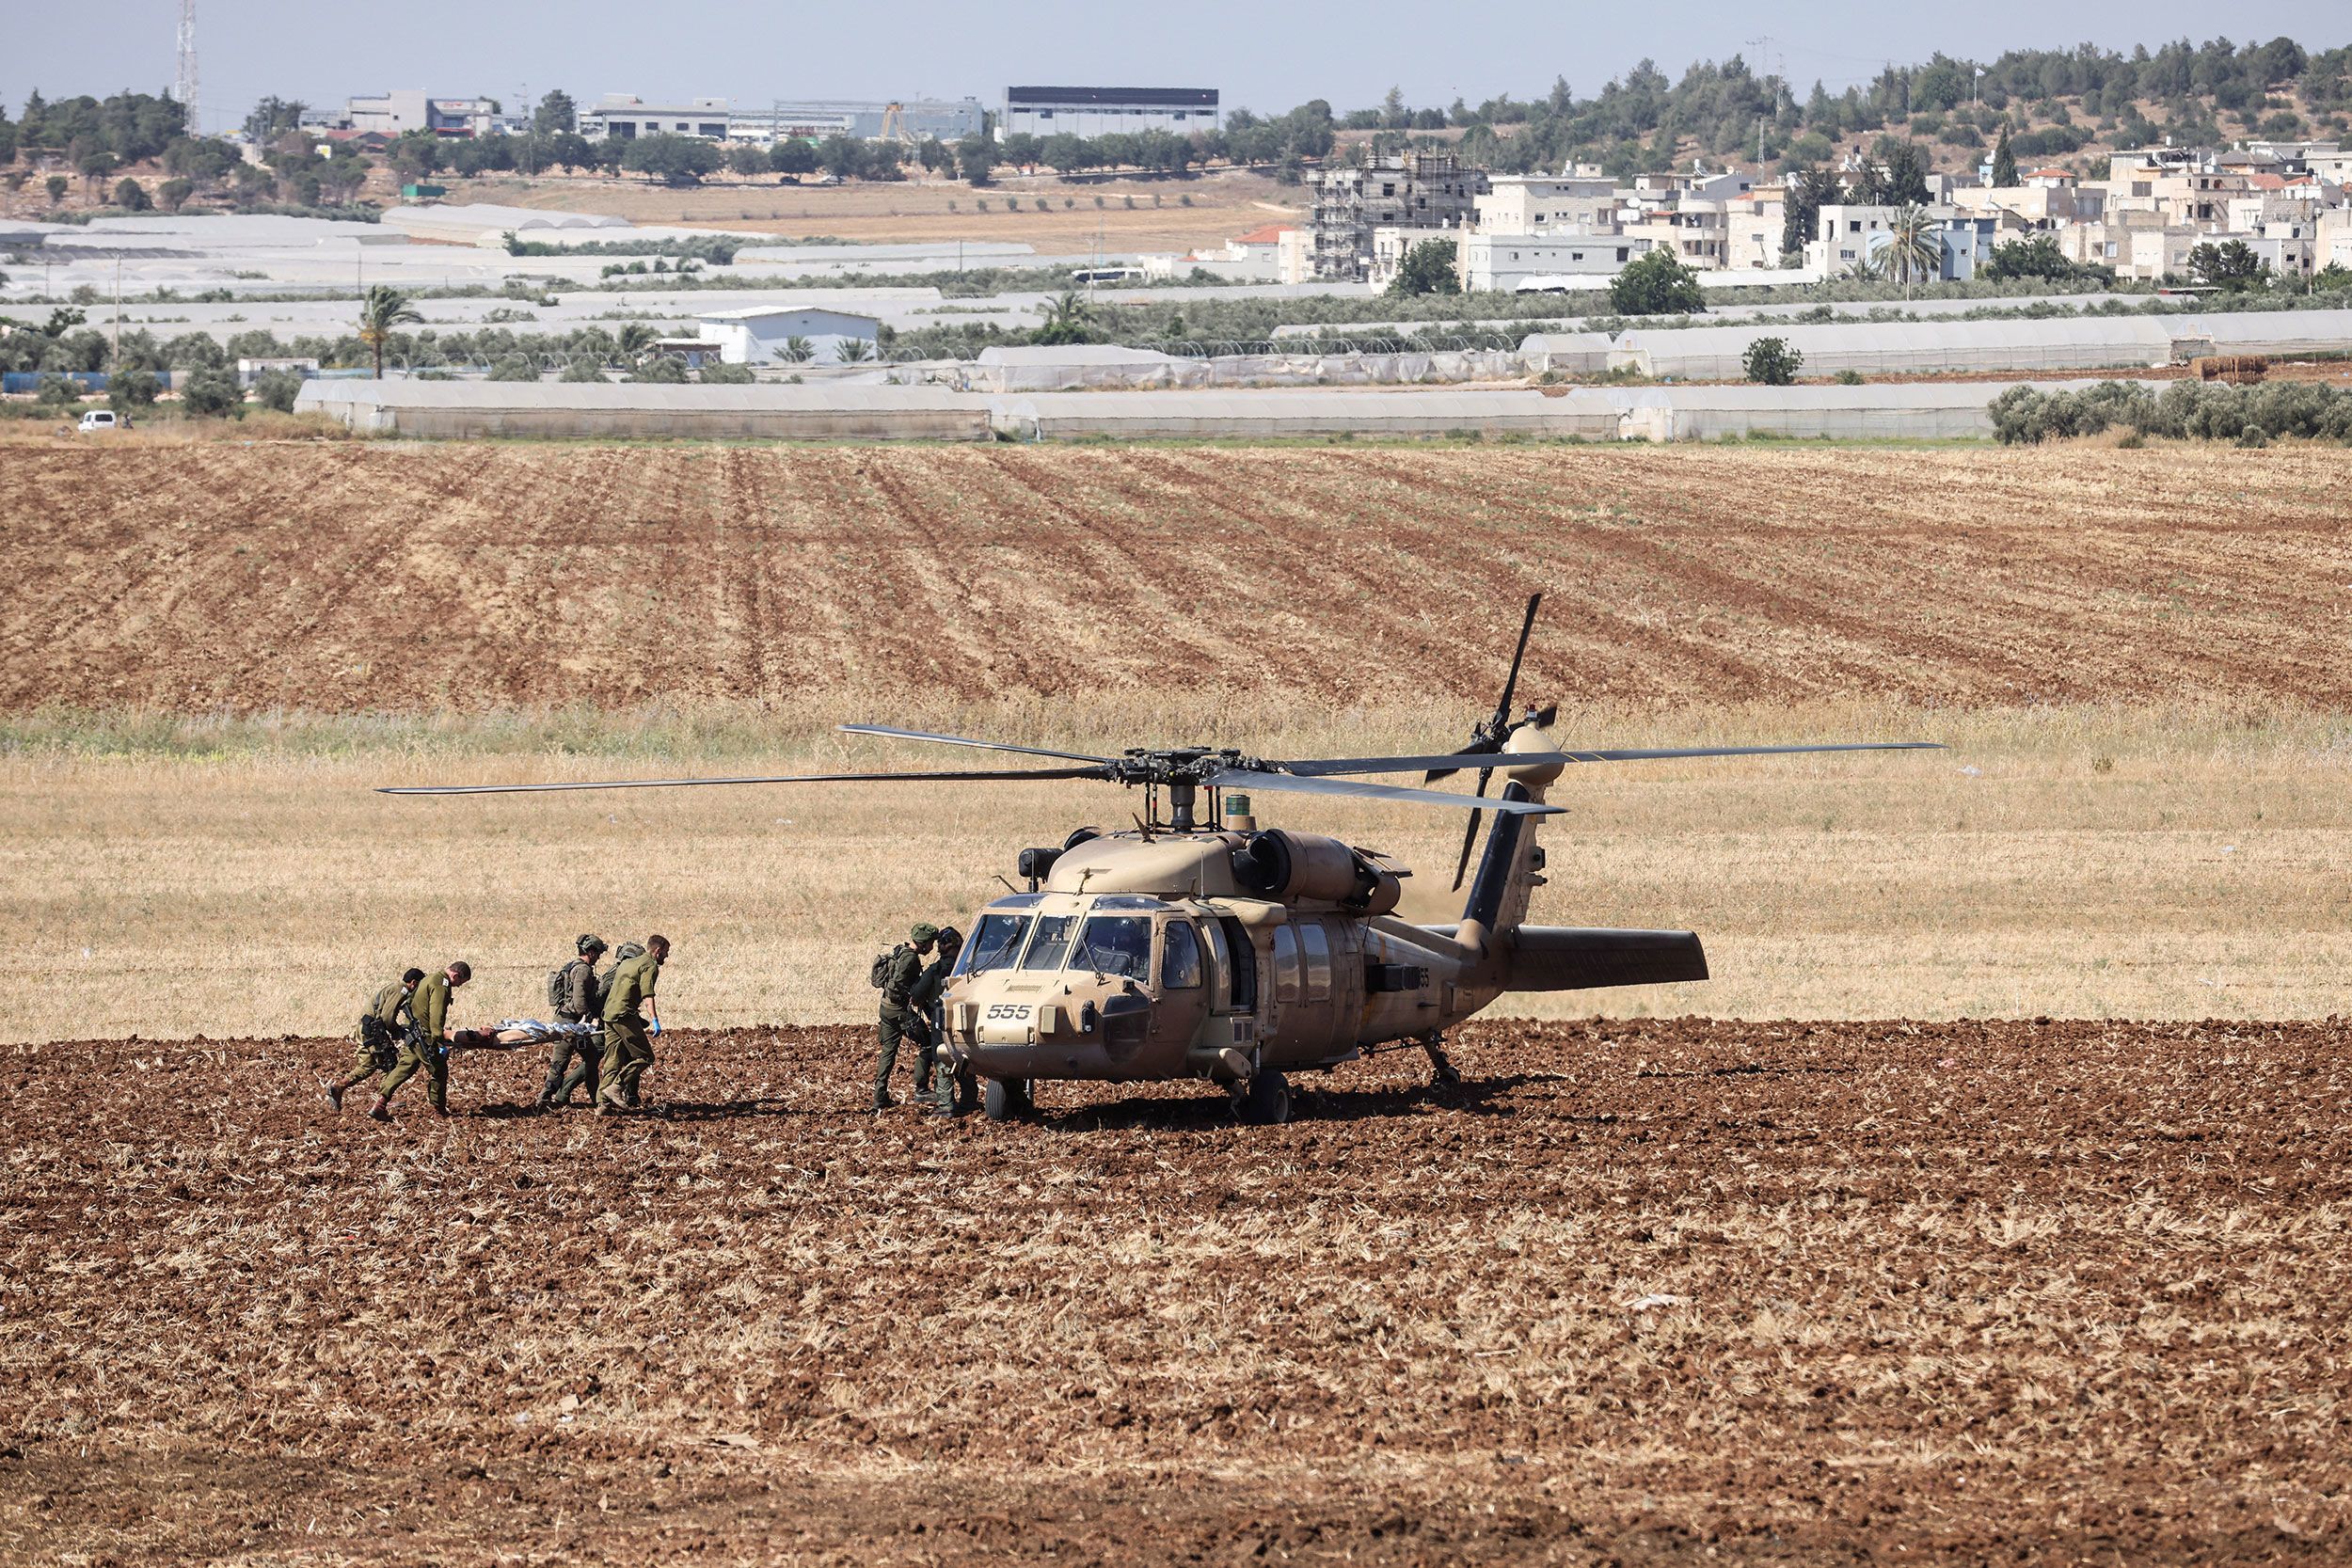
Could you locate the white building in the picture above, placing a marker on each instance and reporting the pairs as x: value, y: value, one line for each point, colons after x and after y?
x: 1102, y: 111
x: 627, y: 116
x: 758, y: 335
x: 1582, y: 199
x: 1256, y: 257
x: 1505, y: 260
x: 405, y: 109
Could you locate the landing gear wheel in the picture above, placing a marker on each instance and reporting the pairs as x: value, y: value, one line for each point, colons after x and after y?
x: 1442, y: 1071
x: 1264, y: 1101
x: 1004, y: 1099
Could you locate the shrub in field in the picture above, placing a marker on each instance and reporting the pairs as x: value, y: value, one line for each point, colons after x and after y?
x: 131, y: 391
x: 727, y: 375
x: 515, y: 367
x: 277, y: 389
x: 2186, y: 410
x: 586, y: 367
x: 1656, y: 284
x: 1847, y: 378
x: 213, y: 394
x: 665, y: 369
x: 1771, y: 361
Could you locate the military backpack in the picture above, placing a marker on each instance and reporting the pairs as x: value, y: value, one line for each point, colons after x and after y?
x: 377, y: 1038
x: 879, y: 976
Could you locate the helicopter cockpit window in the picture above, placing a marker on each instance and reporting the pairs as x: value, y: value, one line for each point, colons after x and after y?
x: 995, y: 942
x: 1119, y: 945
x: 1180, y: 964
x: 1051, y: 943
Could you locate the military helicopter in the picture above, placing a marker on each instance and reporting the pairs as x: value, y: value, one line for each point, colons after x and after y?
x: 1201, y: 946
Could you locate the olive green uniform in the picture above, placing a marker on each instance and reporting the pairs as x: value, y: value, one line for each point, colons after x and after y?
x: 583, y: 994
x: 900, y: 1021
x: 628, y: 1049
x: 925, y: 1000
x: 388, y: 1009
x: 425, y: 1051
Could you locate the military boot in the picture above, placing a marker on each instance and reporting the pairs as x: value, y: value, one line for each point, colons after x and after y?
x: 334, y: 1096
x: 382, y: 1109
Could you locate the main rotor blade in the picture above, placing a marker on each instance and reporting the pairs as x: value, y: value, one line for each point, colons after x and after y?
x: 1469, y: 834
x: 968, y: 777
x: 1438, y: 767
x: 1511, y: 684
x: 1254, y: 780
x: 1652, y: 753
x: 889, y: 732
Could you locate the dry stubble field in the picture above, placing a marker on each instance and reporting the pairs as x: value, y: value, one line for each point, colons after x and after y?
x: 1641, y: 1291
x: 2138, y: 657
x: 1189, y: 215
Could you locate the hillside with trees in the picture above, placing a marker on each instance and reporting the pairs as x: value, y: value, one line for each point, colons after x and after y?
x: 2057, y: 105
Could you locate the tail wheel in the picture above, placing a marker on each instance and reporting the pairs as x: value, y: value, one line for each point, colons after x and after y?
x: 1266, y: 1102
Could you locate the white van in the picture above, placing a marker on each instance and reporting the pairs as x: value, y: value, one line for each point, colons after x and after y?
x: 98, y: 418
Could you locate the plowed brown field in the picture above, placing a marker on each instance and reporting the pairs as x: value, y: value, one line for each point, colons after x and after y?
x: 1648, y: 1292
x: 360, y: 577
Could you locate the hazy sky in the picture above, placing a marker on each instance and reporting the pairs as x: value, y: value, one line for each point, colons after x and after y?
x: 1267, y: 55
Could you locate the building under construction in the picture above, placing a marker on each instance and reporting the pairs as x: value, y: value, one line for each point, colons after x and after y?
x: 1412, y: 190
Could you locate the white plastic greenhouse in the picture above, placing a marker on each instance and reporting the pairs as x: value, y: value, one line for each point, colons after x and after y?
x: 1896, y: 348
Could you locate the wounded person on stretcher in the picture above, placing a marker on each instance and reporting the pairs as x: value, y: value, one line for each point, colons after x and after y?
x: 514, y: 1032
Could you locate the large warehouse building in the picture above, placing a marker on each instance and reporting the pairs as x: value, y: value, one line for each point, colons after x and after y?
x: 779, y: 119
x: 1102, y: 111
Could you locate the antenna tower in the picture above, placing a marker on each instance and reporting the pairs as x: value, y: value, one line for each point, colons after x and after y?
x: 184, y: 88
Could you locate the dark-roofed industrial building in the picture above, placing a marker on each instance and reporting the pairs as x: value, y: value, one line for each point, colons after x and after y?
x: 1102, y: 111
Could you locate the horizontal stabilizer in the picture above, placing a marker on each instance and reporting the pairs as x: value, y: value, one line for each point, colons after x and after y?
x: 1567, y: 958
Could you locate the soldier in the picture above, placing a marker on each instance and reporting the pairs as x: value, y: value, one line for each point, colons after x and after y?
x: 627, y: 1046
x: 380, y: 1028
x: 901, y: 1019
x: 589, y: 1069
x: 576, y: 991
x: 929, y: 998
x: 426, y: 1049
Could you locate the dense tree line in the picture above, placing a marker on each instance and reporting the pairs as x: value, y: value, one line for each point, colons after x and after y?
x: 1636, y: 121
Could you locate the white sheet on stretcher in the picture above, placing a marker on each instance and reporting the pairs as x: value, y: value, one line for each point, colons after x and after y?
x: 514, y: 1033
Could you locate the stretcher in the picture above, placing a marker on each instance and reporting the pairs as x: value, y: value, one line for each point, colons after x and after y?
x: 514, y: 1033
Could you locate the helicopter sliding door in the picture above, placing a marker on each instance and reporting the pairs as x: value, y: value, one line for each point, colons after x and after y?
x: 1312, y: 961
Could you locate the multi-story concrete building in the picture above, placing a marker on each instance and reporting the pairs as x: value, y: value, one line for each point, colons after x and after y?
x: 405, y: 109
x: 1503, y: 261
x: 1414, y: 190
x: 1102, y: 111
x: 1852, y: 235
x: 1581, y: 199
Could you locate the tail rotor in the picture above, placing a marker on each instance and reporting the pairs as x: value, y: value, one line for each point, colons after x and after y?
x: 1493, y: 733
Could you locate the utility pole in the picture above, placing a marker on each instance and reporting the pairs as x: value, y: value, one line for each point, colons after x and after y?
x: 184, y: 87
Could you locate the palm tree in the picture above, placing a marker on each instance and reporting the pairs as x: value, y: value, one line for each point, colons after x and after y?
x: 635, y: 338
x: 796, y: 351
x: 1066, y: 320
x: 384, y: 308
x: 853, y: 351
x: 1913, y: 249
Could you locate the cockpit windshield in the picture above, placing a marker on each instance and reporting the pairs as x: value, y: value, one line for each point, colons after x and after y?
x: 1119, y: 945
x: 1052, y: 941
x: 995, y: 943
